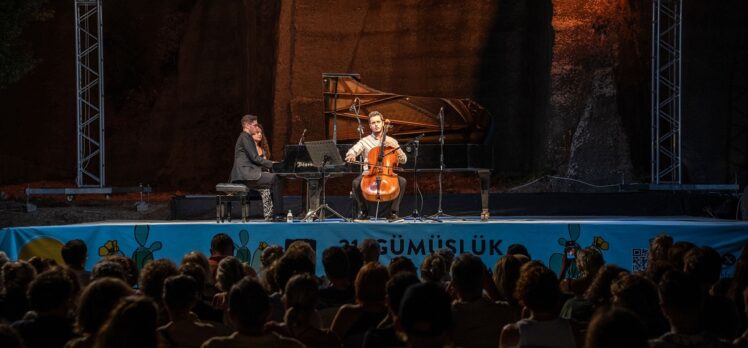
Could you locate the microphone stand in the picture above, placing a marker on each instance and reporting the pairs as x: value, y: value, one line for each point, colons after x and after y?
x: 416, y: 143
x: 439, y: 211
x: 416, y: 216
x: 356, y: 107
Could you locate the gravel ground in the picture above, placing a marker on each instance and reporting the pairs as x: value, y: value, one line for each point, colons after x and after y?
x: 13, y: 213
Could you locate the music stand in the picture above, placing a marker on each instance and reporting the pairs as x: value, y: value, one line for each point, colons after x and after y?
x: 323, y: 153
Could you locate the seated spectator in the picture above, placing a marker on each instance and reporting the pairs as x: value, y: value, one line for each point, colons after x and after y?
x: 200, y: 260
x: 13, y: 301
x: 268, y: 279
x: 132, y: 323
x: 221, y: 246
x: 682, y: 299
x: 448, y: 256
x: 108, y: 269
x: 184, y: 330
x: 598, y: 294
x: 659, y: 249
x: 401, y: 264
x: 589, y: 261
x: 385, y: 335
x: 151, y: 281
x: 304, y: 248
x: 538, y: 291
x: 505, y: 276
x: 301, y: 321
x: 658, y: 257
x: 355, y: 260
x: 229, y: 272
x: 639, y: 295
x: 249, y: 307
x: 477, y: 319
x: 50, y: 296
x: 270, y: 254
x: 76, y: 290
x: 75, y: 254
x: 657, y: 268
x: 353, y: 320
x: 615, y: 328
x: 370, y: 250
x: 131, y: 271
x: 292, y: 263
x: 339, y: 289
x: 434, y: 269
x: 9, y: 337
x: 676, y: 253
x: 42, y: 264
x: 425, y: 318
x: 203, y: 307
x: 97, y: 301
x: 720, y: 313
x: 518, y: 249
x: 742, y: 341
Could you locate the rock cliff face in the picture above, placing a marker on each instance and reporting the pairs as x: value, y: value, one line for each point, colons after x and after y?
x: 567, y: 82
x: 585, y: 136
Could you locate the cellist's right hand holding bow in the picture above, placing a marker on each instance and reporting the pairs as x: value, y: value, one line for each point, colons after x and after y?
x: 350, y: 157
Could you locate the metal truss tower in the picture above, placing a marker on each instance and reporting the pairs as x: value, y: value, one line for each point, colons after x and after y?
x: 89, y: 79
x: 89, y: 76
x: 666, y: 91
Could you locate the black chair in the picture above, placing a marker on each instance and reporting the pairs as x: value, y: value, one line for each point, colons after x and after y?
x: 231, y: 192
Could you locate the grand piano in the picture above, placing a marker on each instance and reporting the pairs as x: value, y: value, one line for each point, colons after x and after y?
x: 347, y: 102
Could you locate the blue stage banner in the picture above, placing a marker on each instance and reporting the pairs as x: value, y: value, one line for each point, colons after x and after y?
x: 623, y: 242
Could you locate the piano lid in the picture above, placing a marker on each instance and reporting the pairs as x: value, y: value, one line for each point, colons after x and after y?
x: 465, y: 121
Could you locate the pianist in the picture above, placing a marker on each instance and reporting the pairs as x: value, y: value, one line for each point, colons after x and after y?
x: 363, y: 146
x: 248, y: 165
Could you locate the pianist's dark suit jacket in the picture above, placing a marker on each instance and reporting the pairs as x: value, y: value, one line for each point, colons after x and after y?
x: 247, y: 163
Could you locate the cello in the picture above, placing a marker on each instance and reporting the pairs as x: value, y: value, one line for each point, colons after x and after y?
x: 381, y: 184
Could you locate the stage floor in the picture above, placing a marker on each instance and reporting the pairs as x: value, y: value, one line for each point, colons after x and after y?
x: 622, y: 240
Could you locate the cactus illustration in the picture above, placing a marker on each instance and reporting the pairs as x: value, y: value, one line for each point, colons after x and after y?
x: 242, y: 251
x: 554, y: 262
x: 143, y: 254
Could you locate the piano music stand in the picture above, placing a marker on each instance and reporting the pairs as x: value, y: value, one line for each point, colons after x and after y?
x: 323, y: 153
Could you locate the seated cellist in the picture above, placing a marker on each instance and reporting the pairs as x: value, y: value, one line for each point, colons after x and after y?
x: 363, y: 146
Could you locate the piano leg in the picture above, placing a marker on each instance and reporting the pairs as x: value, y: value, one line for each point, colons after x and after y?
x: 485, y: 184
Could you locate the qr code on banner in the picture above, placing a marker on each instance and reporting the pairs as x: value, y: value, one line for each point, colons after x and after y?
x: 639, y: 259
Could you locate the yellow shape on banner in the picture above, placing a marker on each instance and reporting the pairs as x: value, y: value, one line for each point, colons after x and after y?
x: 42, y: 247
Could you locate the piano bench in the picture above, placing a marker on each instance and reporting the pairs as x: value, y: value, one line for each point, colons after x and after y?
x: 230, y: 192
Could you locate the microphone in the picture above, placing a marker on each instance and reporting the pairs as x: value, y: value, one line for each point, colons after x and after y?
x: 301, y: 140
x: 354, y: 105
x: 419, y: 137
